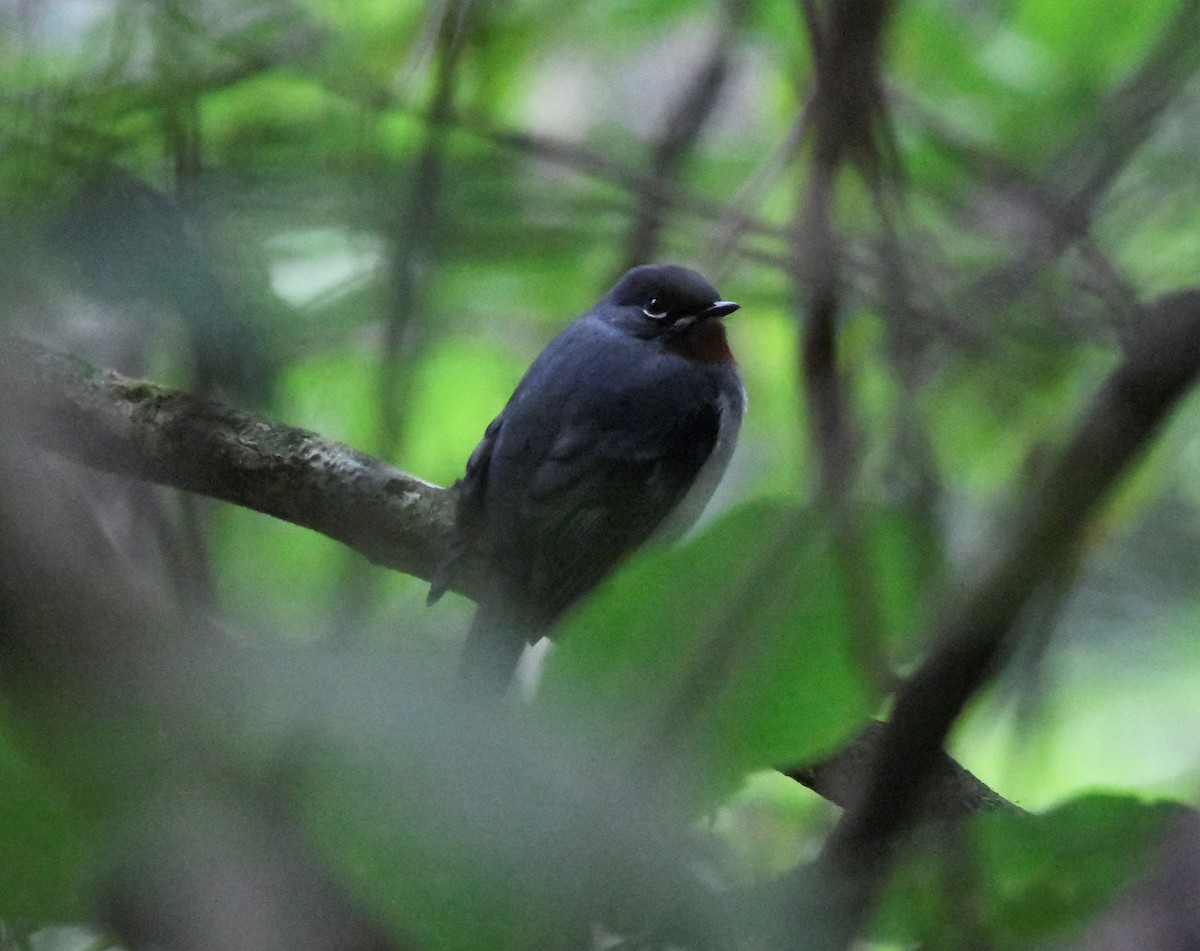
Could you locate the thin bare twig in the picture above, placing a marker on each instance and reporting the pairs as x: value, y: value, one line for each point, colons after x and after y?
x: 682, y: 129
x: 413, y: 234
x: 1053, y: 214
x: 732, y: 225
x: 600, y: 166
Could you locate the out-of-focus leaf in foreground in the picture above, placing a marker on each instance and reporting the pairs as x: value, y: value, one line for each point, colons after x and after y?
x: 45, y: 848
x: 1015, y: 880
x: 734, y: 652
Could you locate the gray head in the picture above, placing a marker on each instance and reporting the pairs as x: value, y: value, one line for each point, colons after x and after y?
x: 654, y: 298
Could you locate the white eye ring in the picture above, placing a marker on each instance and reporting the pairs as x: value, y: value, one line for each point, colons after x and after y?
x: 654, y: 314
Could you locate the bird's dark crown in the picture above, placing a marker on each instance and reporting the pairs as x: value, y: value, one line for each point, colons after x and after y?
x: 662, y: 294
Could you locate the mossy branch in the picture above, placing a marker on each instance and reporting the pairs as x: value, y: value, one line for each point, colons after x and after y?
x: 151, y: 432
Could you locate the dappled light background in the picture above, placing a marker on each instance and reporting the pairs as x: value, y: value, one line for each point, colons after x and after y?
x: 366, y: 219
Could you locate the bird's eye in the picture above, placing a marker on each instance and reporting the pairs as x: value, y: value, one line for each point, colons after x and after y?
x: 655, y: 310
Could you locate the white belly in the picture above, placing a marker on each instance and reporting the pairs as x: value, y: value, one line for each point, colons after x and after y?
x: 685, y: 514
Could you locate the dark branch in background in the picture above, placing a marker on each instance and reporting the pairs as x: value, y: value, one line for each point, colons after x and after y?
x: 951, y: 793
x: 682, y: 129
x: 848, y: 124
x: 730, y: 228
x: 850, y: 115
x: 1031, y: 197
x: 908, y: 760
x: 730, y: 217
x: 735, y: 217
x: 600, y: 166
x: 411, y: 228
x: 149, y: 432
x: 912, y: 467
x: 1066, y: 199
x: 413, y: 231
x: 848, y: 111
x: 977, y: 633
x: 818, y: 278
x: 1158, y: 78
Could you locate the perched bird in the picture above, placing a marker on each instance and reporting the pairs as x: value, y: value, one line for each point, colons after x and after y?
x: 619, y: 432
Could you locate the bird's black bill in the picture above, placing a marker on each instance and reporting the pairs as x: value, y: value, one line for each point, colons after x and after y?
x: 722, y: 308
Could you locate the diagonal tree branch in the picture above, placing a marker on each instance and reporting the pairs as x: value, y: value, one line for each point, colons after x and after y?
x: 978, y: 625
x: 138, y: 429
x: 951, y: 793
x: 682, y: 129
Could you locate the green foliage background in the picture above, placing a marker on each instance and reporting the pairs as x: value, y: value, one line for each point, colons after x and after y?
x: 295, y: 139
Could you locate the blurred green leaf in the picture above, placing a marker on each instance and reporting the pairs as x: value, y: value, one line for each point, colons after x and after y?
x: 1017, y: 881
x: 735, y: 648
x: 905, y: 564
x: 46, y: 849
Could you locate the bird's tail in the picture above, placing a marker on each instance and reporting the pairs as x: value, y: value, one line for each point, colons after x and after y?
x: 492, y: 649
